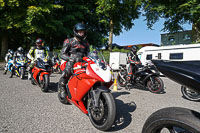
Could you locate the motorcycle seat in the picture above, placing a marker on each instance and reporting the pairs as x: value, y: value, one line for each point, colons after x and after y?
x: 122, y: 65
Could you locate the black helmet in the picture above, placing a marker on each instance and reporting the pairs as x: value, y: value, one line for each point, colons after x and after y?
x: 134, y: 49
x: 20, y: 50
x: 80, y: 27
x: 39, y: 42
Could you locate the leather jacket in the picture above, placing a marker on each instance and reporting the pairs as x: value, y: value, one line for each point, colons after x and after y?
x: 74, y: 50
x: 132, y: 58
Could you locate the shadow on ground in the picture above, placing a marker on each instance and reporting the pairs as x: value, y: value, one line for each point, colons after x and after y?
x: 53, y: 87
x: 123, y: 113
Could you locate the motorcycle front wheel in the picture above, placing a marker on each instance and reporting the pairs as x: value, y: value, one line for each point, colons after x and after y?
x: 120, y: 81
x: 155, y: 84
x: 173, y: 120
x: 102, y: 117
x: 45, y: 83
x: 62, y: 94
x: 22, y: 75
x: 190, y: 94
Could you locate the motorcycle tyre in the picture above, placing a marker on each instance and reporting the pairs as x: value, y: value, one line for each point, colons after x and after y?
x: 161, y: 84
x: 185, y: 95
x: 22, y: 75
x: 61, y: 99
x: 45, y: 83
x: 172, y: 117
x: 121, y: 84
x: 111, y: 112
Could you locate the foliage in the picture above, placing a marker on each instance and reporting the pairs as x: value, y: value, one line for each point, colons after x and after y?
x: 175, y: 12
x: 122, y: 12
x: 116, y: 15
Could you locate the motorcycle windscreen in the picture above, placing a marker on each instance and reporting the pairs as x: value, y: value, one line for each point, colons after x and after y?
x: 186, y: 73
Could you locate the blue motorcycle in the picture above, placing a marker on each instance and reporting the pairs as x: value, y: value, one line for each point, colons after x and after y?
x: 20, y: 67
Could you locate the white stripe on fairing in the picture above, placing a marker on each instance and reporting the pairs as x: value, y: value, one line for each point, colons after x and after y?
x: 104, y: 74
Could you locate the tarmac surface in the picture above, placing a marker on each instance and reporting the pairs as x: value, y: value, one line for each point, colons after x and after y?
x: 24, y: 108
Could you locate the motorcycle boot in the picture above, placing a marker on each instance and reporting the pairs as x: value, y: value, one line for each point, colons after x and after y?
x: 29, y: 73
x: 63, y: 83
x: 12, y: 72
x: 5, y: 69
x: 5, y: 72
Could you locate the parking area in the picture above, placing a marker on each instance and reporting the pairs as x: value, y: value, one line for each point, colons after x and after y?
x: 25, y: 108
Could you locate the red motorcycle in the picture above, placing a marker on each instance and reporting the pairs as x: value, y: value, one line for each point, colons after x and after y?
x: 88, y: 90
x: 40, y: 74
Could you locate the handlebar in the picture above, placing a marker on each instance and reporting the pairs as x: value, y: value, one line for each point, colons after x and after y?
x: 79, y: 67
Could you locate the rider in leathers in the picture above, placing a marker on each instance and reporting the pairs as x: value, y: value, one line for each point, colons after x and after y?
x: 17, y: 54
x: 8, y: 56
x: 36, y: 52
x: 132, y: 60
x: 74, y: 49
x: 55, y: 59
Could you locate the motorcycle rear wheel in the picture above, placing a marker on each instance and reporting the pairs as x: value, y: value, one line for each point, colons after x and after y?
x: 157, y: 86
x: 120, y: 81
x: 173, y: 120
x: 102, y: 117
x: 45, y: 83
x: 190, y: 94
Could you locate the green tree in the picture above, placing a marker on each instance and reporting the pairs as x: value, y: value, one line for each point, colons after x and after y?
x: 22, y: 16
x: 116, y: 15
x: 176, y: 13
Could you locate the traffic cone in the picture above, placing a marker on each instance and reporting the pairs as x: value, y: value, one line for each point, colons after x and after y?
x: 115, y: 85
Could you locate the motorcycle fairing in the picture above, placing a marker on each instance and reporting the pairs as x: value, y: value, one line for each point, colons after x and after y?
x: 186, y: 73
x: 103, y: 74
x: 42, y: 74
x: 35, y: 72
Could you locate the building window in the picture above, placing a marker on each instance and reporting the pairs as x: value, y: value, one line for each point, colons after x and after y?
x: 139, y: 56
x: 159, y: 56
x: 149, y: 57
x: 176, y: 56
x: 187, y: 37
x: 171, y: 38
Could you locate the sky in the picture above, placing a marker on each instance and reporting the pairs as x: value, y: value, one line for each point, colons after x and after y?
x: 139, y: 34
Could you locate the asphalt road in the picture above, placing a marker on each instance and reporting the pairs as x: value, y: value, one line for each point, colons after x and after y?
x: 25, y: 109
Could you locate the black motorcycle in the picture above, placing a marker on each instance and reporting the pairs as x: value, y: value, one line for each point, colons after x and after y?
x: 177, y: 119
x: 185, y: 73
x: 190, y: 94
x: 146, y: 76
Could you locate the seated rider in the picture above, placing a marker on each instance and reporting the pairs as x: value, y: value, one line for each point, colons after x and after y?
x: 74, y: 49
x: 8, y: 56
x: 36, y: 52
x: 55, y: 59
x: 132, y: 60
x: 17, y: 54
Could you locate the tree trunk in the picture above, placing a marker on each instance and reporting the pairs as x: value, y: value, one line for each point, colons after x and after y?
x: 4, y: 44
x: 110, y: 35
x: 195, y: 33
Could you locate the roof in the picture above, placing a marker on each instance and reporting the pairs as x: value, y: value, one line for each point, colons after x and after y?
x: 141, y: 45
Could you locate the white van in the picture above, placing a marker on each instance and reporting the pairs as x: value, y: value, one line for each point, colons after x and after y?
x: 187, y: 52
x: 117, y: 59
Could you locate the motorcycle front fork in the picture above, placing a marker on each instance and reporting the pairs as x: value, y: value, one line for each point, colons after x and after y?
x: 122, y: 77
